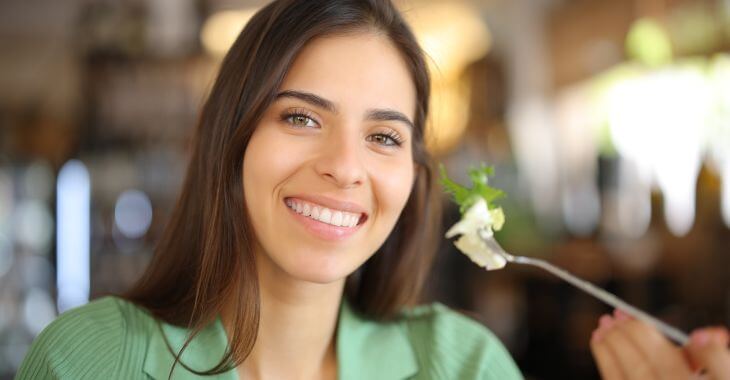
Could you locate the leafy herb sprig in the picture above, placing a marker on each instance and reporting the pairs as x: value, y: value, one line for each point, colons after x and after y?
x: 465, y: 197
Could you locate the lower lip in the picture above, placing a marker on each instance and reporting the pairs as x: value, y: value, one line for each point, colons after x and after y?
x: 323, y: 230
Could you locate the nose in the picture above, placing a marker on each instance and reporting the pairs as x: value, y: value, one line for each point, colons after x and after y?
x: 340, y: 162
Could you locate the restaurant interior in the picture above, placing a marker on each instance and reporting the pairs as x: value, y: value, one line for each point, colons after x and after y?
x: 606, y: 122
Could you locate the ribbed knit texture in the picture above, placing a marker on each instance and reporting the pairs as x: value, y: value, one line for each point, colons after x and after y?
x: 110, y: 339
x: 452, y: 346
x: 100, y: 340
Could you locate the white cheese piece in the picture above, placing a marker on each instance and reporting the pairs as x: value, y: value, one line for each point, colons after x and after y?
x: 478, y: 217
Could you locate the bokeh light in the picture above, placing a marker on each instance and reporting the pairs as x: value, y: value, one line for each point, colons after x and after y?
x: 221, y: 29
x: 34, y: 225
x: 133, y: 213
x: 38, y: 310
x: 73, y: 235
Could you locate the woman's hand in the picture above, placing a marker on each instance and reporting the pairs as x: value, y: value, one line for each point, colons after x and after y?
x: 626, y: 348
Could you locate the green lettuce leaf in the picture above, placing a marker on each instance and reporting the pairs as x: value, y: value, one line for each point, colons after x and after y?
x: 466, y: 196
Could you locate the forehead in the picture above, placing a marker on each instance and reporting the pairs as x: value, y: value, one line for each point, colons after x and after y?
x: 356, y: 71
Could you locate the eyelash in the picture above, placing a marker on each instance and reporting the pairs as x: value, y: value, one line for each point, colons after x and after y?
x: 288, y: 117
x: 392, y: 135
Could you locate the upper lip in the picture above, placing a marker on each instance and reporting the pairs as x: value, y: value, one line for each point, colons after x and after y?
x: 331, y: 203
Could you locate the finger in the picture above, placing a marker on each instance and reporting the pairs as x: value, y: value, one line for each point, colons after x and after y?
x: 708, y: 348
x: 634, y: 364
x: 664, y: 357
x: 606, y: 362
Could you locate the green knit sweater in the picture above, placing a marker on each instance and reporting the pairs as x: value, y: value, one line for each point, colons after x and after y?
x: 113, y: 339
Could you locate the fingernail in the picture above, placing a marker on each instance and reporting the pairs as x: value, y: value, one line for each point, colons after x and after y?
x: 605, y: 322
x: 700, y: 338
x: 620, y: 315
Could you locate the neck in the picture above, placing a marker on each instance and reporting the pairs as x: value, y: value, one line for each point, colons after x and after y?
x: 297, y: 326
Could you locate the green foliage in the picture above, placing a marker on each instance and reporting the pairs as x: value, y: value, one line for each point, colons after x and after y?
x: 465, y: 197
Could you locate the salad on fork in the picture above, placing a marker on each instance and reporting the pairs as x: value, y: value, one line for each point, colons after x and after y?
x: 480, y: 218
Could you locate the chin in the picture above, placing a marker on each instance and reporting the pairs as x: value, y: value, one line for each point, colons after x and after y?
x: 320, y: 270
x: 318, y: 278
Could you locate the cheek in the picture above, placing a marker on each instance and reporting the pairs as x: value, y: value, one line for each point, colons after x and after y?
x: 265, y: 167
x: 393, y: 186
x: 254, y: 178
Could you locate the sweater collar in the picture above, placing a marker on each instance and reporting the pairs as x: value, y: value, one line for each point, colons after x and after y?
x: 365, y: 350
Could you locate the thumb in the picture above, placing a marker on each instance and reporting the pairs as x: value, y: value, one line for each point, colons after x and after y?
x: 708, y: 349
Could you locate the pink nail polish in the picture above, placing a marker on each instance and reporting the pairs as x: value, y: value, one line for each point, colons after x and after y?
x: 700, y: 338
x: 620, y: 315
x: 605, y: 322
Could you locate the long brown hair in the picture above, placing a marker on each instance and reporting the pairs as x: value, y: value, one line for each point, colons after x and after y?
x: 204, y: 260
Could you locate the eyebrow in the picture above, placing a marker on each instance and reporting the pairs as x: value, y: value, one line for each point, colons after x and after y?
x: 379, y: 114
x: 388, y: 115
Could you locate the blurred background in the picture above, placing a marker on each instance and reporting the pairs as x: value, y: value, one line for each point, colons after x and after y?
x: 608, y: 123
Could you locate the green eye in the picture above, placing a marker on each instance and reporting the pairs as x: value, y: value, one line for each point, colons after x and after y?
x: 383, y: 140
x: 389, y: 139
x: 299, y: 119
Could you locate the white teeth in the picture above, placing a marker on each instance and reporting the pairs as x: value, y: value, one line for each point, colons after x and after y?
x: 323, y: 214
x: 337, y: 218
x: 346, y: 220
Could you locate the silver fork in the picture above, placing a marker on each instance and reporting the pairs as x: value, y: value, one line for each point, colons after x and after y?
x: 672, y: 332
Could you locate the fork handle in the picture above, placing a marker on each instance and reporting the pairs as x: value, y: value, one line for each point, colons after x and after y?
x: 670, y: 331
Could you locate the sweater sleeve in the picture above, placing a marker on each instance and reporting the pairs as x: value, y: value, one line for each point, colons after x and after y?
x: 450, y: 345
x: 82, y: 343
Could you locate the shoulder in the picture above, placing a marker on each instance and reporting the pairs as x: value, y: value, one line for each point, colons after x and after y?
x: 86, y: 340
x: 452, y: 345
x: 436, y: 322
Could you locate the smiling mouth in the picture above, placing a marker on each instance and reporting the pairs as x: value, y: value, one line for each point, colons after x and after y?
x: 333, y: 217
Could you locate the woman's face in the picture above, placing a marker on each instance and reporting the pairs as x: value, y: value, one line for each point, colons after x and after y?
x: 329, y: 168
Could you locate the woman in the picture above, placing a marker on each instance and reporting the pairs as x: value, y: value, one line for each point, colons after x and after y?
x: 318, y: 112
x: 305, y: 227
